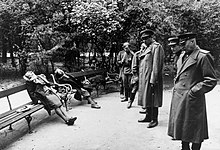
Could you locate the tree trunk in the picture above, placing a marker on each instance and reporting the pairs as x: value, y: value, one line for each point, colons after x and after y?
x: 11, y: 50
x: 52, y: 65
x: 4, y: 50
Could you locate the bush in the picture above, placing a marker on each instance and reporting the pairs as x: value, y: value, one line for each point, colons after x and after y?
x: 8, y: 71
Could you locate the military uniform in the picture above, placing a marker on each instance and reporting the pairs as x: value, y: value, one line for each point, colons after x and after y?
x: 188, y: 118
x: 151, y: 60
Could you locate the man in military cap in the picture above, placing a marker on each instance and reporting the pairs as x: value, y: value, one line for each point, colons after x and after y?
x: 150, y: 70
x: 195, y: 77
x: 174, y: 44
x: 176, y: 48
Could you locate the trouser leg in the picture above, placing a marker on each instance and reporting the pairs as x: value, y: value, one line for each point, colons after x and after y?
x: 155, y: 114
x: 132, y: 96
x: 121, y: 87
x: 154, y: 117
x: 196, y: 146
x: 185, y: 146
x: 152, y: 113
x: 147, y: 117
x: 127, y: 87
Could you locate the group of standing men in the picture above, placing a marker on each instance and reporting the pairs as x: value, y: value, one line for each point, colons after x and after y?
x: 142, y: 71
x: 145, y: 76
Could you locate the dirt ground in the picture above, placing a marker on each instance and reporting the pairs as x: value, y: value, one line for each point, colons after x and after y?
x: 113, y: 127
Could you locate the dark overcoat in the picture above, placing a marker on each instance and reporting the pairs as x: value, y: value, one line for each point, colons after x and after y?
x: 195, y: 77
x: 149, y: 63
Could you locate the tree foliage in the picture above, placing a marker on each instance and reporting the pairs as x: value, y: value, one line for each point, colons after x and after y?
x: 36, y: 26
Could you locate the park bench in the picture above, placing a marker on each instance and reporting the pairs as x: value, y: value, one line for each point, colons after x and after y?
x: 94, y: 77
x: 14, y: 114
x: 97, y: 78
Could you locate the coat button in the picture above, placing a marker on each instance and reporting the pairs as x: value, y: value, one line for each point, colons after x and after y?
x: 184, y: 84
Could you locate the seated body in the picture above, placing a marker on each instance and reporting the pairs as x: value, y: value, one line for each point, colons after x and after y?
x: 81, y: 91
x: 39, y: 88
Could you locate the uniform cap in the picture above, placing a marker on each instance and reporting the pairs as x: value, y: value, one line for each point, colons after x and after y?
x: 186, y: 36
x: 146, y: 33
x: 173, y: 41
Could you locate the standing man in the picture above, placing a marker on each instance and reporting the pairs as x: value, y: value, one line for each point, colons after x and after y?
x: 126, y: 70
x: 151, y: 60
x: 195, y: 77
x: 135, y: 71
x: 121, y: 84
x: 176, y: 48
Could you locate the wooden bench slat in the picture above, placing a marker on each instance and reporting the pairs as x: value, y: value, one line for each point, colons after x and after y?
x: 22, y: 115
x: 8, y: 117
x: 14, y: 110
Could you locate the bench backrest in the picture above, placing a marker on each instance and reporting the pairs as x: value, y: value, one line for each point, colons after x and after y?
x: 12, y: 90
x: 87, y: 73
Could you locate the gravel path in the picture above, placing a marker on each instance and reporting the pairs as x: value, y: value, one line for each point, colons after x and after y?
x: 113, y: 127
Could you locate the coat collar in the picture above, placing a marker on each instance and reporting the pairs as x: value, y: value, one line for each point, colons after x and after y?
x: 147, y: 49
x: 192, y: 59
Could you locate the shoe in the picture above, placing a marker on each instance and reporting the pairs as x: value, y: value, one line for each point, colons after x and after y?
x: 71, y: 121
x: 152, y: 124
x: 124, y: 100
x: 146, y: 119
x: 96, y: 106
x: 129, y: 105
x: 143, y: 111
x: 122, y: 96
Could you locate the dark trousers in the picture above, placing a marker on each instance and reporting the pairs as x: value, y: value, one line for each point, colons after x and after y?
x: 121, y: 84
x: 195, y: 146
x: 152, y: 113
x: 127, y: 85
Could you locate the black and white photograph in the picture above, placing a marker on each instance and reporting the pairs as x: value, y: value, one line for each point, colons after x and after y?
x: 109, y: 74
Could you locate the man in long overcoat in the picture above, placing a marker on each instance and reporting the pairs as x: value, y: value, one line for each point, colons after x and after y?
x: 150, y: 68
x: 195, y: 77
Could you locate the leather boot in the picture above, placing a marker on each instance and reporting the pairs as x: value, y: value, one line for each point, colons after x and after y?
x: 131, y: 100
x: 152, y: 124
x: 154, y: 121
x: 196, y: 146
x: 143, y: 111
x: 147, y: 117
x: 185, y: 146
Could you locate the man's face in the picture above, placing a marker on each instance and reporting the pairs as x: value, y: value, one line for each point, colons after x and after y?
x: 189, y: 45
x: 176, y: 48
x: 126, y: 47
x: 146, y: 40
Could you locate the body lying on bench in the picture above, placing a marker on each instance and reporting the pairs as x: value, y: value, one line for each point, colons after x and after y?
x: 97, y: 77
x: 81, y: 92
